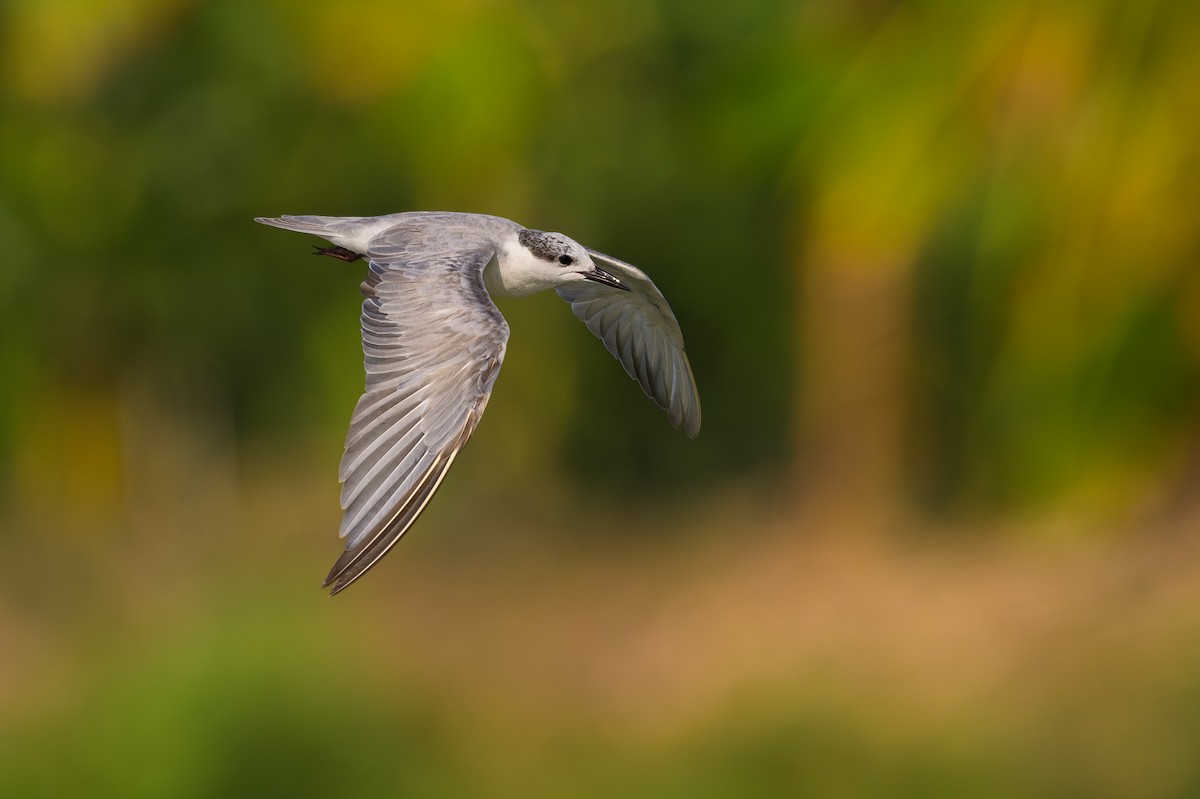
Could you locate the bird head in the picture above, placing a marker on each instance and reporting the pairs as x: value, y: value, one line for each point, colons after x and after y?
x: 564, y: 260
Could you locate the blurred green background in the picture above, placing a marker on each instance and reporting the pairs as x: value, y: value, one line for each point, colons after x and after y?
x: 936, y: 266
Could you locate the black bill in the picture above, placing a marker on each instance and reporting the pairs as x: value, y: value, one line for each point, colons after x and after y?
x: 600, y: 276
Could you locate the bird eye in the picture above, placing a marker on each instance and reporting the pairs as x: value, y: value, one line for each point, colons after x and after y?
x: 566, y: 260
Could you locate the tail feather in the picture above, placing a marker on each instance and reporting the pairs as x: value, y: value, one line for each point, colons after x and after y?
x: 352, y: 233
x: 307, y: 224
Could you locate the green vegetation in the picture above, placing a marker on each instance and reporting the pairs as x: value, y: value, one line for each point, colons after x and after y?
x: 936, y: 266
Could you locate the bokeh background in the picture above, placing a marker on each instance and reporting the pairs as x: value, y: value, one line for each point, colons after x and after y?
x: 936, y: 266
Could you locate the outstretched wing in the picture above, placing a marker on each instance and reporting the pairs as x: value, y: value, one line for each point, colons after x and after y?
x: 638, y: 328
x: 433, y: 341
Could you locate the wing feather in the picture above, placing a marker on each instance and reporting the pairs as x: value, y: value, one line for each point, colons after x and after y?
x: 639, y: 329
x: 433, y: 342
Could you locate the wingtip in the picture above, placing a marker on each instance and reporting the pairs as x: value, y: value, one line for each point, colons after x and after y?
x: 692, y: 422
x: 337, y: 585
x: 341, y: 575
x: 689, y: 424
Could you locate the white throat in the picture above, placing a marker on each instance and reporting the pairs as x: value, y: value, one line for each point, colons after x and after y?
x: 515, y: 271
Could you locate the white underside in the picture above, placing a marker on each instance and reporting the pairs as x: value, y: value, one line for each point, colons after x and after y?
x: 515, y: 271
x: 357, y: 238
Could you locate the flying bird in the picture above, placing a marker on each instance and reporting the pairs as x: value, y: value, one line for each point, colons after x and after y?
x: 433, y: 342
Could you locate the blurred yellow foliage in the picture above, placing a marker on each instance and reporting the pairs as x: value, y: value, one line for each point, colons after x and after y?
x: 69, y: 462
x: 61, y: 51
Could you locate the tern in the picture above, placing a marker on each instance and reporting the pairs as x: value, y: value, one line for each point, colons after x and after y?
x: 433, y: 342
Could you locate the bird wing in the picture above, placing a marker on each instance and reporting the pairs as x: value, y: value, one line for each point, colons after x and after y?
x: 433, y: 342
x: 638, y: 328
